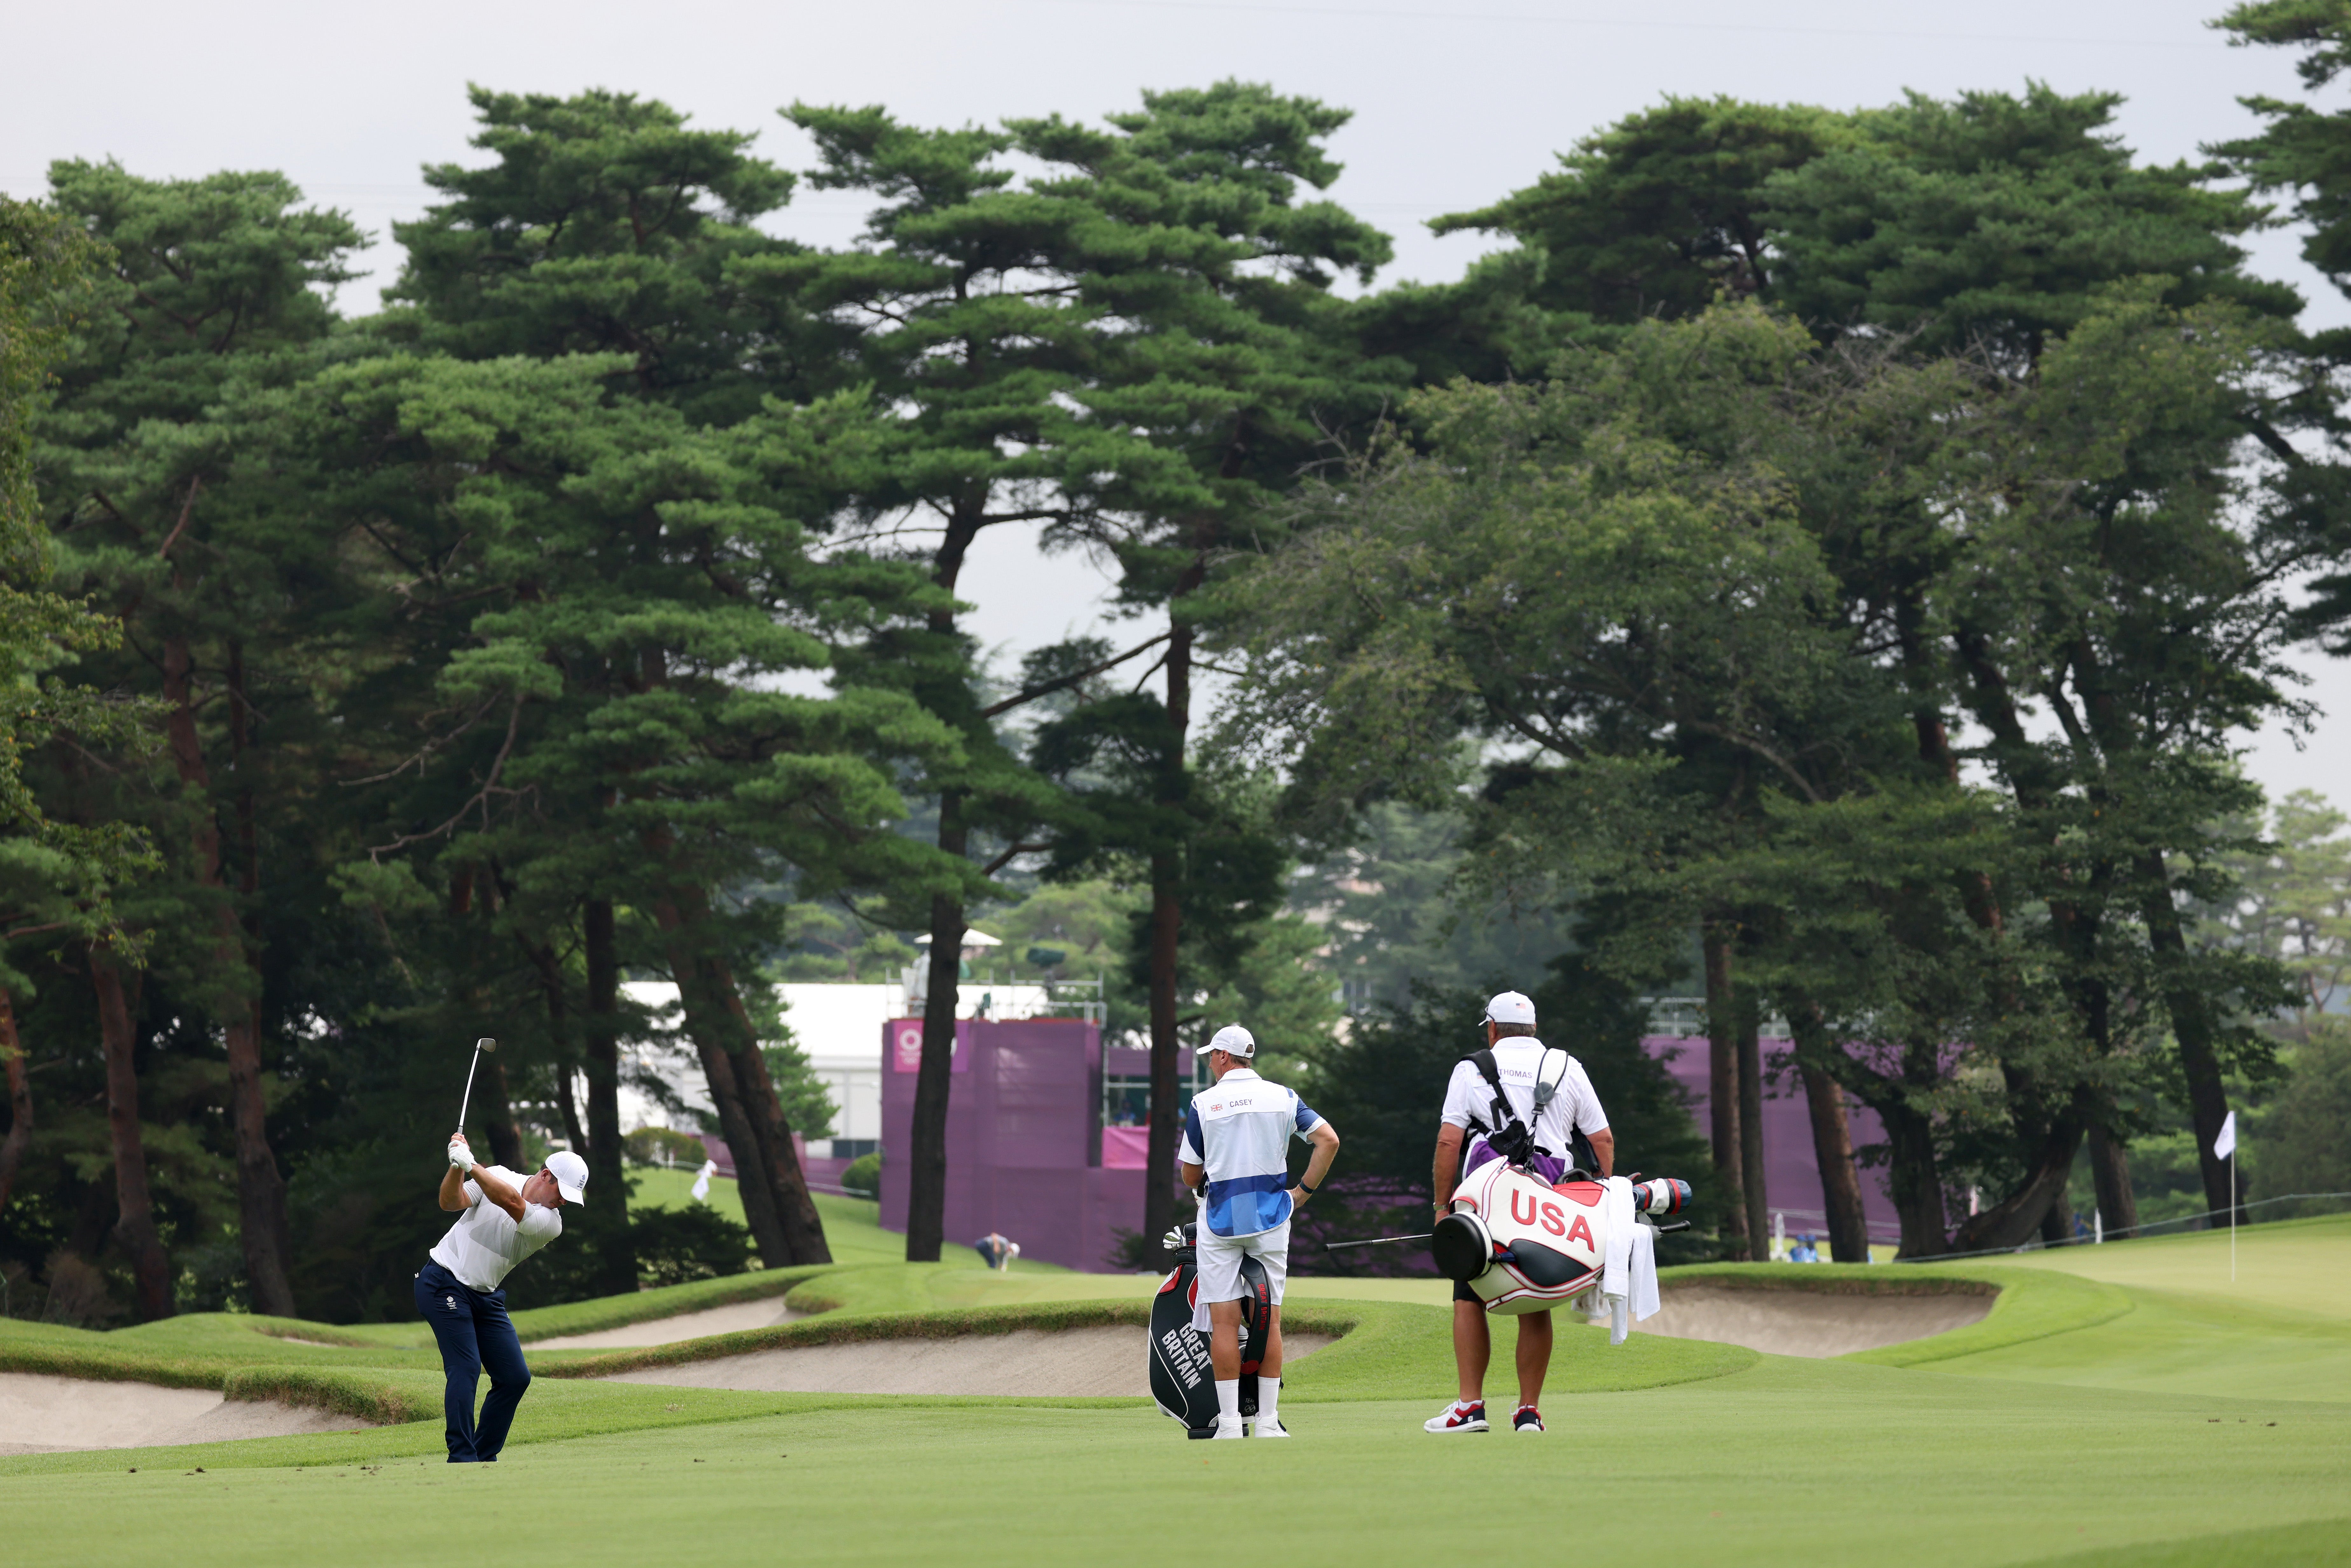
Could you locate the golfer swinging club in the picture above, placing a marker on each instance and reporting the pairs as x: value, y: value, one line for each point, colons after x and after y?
x: 1235, y: 1156
x: 1515, y: 1087
x: 504, y: 1217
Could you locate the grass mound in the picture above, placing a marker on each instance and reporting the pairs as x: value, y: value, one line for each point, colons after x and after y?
x: 1382, y: 1351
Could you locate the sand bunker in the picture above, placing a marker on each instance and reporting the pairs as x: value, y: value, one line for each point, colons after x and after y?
x: 1069, y: 1362
x: 45, y: 1415
x: 1807, y: 1322
x: 732, y: 1319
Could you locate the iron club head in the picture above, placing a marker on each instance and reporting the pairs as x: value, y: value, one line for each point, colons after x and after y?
x: 485, y: 1043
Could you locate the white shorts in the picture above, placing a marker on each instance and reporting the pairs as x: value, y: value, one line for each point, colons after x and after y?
x: 1220, y: 1267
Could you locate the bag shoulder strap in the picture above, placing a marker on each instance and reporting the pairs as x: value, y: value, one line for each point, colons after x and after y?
x: 1549, y: 1077
x: 1492, y: 1071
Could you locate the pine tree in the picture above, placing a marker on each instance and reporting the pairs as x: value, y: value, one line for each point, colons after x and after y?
x: 214, y: 285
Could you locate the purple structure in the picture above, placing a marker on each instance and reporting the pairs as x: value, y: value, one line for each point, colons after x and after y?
x: 1791, y: 1172
x: 1024, y: 1139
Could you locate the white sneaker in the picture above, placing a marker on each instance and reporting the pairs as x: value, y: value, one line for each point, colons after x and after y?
x: 1269, y: 1426
x: 1458, y: 1417
x: 1231, y: 1426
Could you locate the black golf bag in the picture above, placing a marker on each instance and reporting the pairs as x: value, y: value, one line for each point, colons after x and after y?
x: 1182, y: 1382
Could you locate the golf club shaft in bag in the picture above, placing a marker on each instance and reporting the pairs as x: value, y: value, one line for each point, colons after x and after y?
x: 1659, y: 1195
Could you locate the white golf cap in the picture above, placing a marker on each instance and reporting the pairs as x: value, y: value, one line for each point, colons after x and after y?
x: 1511, y: 1006
x: 570, y: 1173
x: 1233, y: 1041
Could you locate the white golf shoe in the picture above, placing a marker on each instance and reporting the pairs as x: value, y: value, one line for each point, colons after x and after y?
x: 1458, y: 1417
x: 1267, y: 1426
x: 1231, y: 1426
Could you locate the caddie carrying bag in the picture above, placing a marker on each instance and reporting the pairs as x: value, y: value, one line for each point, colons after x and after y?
x: 1524, y: 1245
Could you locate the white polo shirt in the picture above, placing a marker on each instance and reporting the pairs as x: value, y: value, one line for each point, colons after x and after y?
x: 486, y: 1243
x: 1469, y: 1098
x: 1238, y: 1131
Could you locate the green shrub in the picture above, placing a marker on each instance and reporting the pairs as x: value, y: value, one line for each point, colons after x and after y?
x: 2302, y: 1148
x: 675, y: 1245
x: 863, y: 1176
x: 660, y: 1145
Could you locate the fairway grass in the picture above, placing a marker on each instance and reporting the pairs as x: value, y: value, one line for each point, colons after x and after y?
x: 1785, y: 1462
x: 2113, y: 1407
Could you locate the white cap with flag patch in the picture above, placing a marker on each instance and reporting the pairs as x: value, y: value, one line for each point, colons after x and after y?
x: 1232, y: 1039
x: 570, y: 1173
x: 1511, y: 1006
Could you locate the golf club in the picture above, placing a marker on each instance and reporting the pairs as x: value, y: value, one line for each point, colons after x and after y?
x: 481, y: 1045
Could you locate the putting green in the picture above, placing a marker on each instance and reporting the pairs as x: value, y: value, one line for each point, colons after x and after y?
x: 2296, y: 1265
x: 2283, y: 1333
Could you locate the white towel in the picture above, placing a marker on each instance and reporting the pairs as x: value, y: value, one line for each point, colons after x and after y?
x: 1628, y: 1269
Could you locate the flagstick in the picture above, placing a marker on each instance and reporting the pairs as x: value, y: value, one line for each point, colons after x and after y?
x: 2233, y: 1214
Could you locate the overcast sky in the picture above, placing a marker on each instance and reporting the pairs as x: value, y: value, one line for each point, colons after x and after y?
x: 1455, y: 105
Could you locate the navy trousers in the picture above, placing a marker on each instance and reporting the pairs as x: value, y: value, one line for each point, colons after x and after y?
x: 475, y: 1332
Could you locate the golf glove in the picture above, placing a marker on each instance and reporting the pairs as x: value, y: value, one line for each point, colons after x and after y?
x: 460, y: 1157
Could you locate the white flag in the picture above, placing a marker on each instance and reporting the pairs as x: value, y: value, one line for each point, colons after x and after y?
x: 2226, y: 1143
x: 702, y: 1182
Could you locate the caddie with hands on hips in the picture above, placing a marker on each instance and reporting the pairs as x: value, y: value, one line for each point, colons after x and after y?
x: 503, y: 1218
x: 1235, y: 1156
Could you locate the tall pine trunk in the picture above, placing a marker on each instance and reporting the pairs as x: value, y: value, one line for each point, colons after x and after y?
x: 2110, y: 1179
x: 1917, y: 1185
x: 2192, y: 1027
x: 767, y: 1176
x: 927, y: 1162
x: 795, y: 1207
x: 616, y: 1266
x: 2016, y: 1219
x: 1841, y: 1200
x: 1722, y: 1094
x: 135, y: 1224
x: 260, y: 1190
x: 1750, y: 1122
x: 750, y: 1184
x: 1166, y: 937
x: 1914, y: 1176
x: 20, y: 1098
x: 559, y: 1033
x: 1167, y: 1049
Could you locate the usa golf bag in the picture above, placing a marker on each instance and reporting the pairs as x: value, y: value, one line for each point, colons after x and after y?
x: 1523, y: 1245
x: 1182, y: 1382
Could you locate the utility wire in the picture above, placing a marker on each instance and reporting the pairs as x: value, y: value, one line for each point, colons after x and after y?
x: 1521, y: 19
x: 2037, y: 1245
